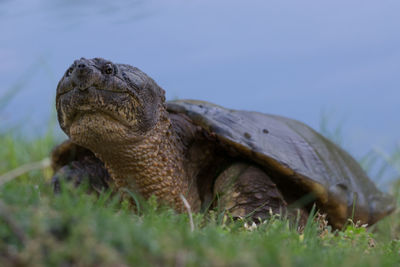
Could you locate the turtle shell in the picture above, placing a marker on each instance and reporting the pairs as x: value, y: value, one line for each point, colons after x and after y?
x: 298, y: 158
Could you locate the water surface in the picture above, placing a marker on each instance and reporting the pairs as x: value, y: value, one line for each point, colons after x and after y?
x: 293, y: 58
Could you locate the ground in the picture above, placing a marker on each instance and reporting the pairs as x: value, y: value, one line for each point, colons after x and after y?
x: 74, y: 228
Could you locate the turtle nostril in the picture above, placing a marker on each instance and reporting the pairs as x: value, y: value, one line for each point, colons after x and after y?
x: 81, y: 66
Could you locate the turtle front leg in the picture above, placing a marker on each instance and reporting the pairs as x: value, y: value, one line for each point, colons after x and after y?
x: 73, y: 163
x: 88, y: 169
x: 246, y: 191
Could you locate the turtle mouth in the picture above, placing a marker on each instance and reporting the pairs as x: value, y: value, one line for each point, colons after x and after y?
x: 116, y: 107
x: 82, y: 88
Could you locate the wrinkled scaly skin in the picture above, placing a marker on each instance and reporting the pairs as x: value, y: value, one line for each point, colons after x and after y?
x: 122, y: 135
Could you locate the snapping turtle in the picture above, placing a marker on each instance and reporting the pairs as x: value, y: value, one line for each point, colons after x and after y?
x: 123, y: 134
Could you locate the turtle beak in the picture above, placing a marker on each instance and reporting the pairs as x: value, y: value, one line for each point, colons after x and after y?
x: 82, y: 74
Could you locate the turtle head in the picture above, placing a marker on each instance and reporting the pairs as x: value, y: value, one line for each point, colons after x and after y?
x: 99, y: 101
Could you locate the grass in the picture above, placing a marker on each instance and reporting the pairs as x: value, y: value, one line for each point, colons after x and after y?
x: 74, y: 228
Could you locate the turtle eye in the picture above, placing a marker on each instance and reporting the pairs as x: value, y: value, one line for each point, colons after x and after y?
x: 108, y: 69
x: 69, y: 71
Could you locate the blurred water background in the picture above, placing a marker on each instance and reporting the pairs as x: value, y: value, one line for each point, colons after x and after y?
x: 331, y: 64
